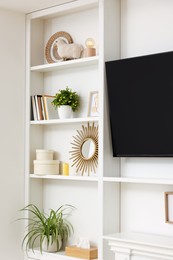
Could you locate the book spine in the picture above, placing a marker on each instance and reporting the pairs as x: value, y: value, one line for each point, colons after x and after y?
x: 40, y: 107
x: 37, y: 108
x: 43, y: 109
x: 34, y: 108
x: 31, y: 110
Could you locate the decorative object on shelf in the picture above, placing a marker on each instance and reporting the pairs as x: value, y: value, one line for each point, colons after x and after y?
x: 51, y: 50
x: 65, y: 169
x: 51, y: 245
x: 50, y: 112
x: 74, y: 251
x: 84, y: 152
x: 93, y: 108
x: 89, y: 50
x: 51, y: 229
x: 83, y: 242
x: 66, y: 100
x: 68, y: 51
x: 42, y: 154
x: 65, y: 111
x: 44, y: 163
x: 46, y: 167
x: 169, y: 207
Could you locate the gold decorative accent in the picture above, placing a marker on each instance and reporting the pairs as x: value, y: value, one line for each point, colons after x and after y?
x: 51, y: 50
x: 84, y: 152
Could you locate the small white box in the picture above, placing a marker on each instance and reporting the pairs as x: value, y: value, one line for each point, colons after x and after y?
x: 46, y: 167
x: 42, y: 154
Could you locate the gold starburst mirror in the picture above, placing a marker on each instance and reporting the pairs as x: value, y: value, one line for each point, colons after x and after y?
x: 84, y: 154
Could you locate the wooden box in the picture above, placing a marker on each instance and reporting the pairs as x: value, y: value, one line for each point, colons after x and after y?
x: 78, y: 252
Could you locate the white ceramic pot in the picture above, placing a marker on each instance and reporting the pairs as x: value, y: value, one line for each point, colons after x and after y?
x: 65, y: 111
x: 52, y: 246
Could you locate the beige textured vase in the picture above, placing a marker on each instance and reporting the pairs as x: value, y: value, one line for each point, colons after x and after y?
x: 52, y: 246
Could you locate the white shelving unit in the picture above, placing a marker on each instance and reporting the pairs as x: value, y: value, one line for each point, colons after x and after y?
x: 81, y: 19
x: 108, y: 202
x: 137, y: 185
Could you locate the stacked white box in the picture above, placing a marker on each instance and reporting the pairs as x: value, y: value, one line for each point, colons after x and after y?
x: 44, y: 163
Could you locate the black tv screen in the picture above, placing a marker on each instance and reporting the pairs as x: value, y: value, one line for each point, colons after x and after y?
x: 140, y: 92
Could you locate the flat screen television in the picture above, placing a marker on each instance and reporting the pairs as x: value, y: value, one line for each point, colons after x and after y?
x: 140, y: 93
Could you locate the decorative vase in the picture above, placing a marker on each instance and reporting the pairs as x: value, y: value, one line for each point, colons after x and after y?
x: 52, y: 246
x: 65, y: 111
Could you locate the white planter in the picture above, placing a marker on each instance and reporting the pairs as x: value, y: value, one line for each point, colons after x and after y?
x: 65, y: 111
x: 52, y: 246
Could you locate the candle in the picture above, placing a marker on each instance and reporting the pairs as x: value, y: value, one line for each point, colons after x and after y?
x: 65, y: 169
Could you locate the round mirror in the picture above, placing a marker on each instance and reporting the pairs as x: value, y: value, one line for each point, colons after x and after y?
x: 88, y: 148
x: 84, y: 153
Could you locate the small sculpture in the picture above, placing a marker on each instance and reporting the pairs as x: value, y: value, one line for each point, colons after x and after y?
x: 69, y: 50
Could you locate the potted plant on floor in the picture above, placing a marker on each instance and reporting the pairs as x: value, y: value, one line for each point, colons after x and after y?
x: 67, y: 102
x: 51, y: 230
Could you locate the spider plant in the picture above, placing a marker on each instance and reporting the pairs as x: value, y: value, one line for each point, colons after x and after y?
x: 54, y: 227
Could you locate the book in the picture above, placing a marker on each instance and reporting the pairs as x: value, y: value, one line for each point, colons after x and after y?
x: 37, y: 109
x: 40, y: 107
x: 43, y: 109
x: 33, y: 108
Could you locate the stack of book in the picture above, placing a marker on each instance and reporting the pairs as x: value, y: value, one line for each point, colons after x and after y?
x: 42, y: 108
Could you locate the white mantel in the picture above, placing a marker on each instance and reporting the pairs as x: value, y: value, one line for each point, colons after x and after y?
x: 137, y: 246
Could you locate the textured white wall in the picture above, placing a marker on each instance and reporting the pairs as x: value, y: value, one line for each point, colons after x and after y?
x: 12, y: 84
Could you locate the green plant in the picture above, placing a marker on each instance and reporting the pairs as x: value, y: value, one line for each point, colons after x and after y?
x: 66, y: 97
x: 43, y: 225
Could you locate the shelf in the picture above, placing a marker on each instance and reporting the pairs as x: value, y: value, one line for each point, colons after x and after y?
x: 66, y: 178
x: 142, y: 238
x: 58, y: 255
x: 138, y: 180
x: 66, y: 64
x: 140, y: 244
x: 65, y: 121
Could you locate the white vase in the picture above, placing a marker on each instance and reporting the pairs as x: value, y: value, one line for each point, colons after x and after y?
x: 65, y: 111
x: 52, y: 246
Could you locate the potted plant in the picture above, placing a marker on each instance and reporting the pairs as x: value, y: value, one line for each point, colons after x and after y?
x: 51, y: 230
x: 66, y: 101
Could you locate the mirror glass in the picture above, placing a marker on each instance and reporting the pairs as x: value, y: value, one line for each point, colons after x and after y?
x: 88, y: 148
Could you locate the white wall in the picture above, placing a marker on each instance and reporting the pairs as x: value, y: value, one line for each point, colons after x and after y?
x: 146, y: 28
x: 12, y: 84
